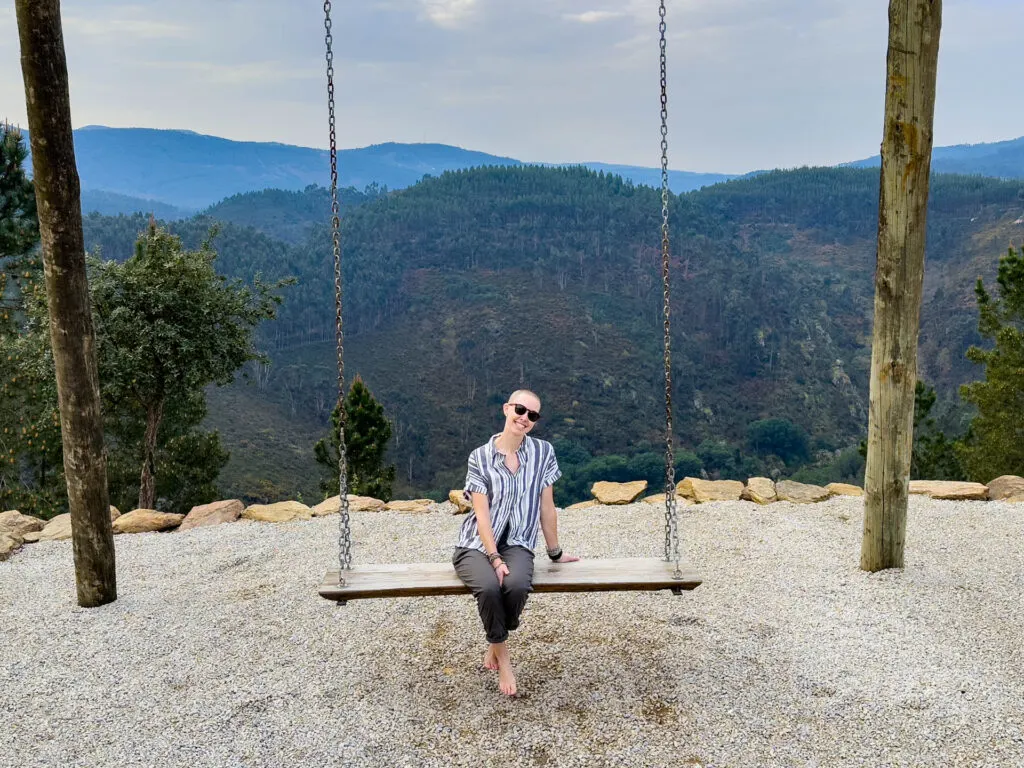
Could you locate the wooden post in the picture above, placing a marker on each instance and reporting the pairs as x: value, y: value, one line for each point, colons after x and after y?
x: 902, y: 207
x: 44, y: 67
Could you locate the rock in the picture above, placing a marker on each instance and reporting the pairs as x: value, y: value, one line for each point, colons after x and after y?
x: 950, y: 489
x: 584, y: 504
x: 411, y: 506
x: 59, y: 528
x: 715, y: 490
x: 281, y: 512
x: 684, y: 487
x: 618, y: 493
x: 212, y: 514
x: 462, y: 504
x: 760, y: 490
x: 17, y: 524
x: 800, y: 493
x: 1003, y: 487
x: 1018, y: 499
x: 331, y: 506
x: 33, y: 536
x: 659, y: 498
x: 146, y: 521
x: 844, y: 489
x: 9, y: 544
x: 364, y: 504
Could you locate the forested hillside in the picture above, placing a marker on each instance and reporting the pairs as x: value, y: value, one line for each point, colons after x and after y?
x: 470, y: 284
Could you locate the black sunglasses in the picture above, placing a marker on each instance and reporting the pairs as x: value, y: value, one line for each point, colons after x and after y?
x: 521, y: 409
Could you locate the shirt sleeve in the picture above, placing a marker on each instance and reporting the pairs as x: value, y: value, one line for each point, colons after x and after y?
x: 551, y: 470
x: 475, y: 480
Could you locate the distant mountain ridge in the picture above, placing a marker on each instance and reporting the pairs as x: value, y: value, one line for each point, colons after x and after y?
x: 124, y: 170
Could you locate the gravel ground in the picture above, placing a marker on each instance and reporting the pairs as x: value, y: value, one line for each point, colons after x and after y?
x: 219, y: 651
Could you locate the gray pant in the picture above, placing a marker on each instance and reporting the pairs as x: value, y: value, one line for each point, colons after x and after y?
x: 499, y: 606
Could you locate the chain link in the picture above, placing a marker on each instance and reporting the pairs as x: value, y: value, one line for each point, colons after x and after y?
x: 671, y: 508
x: 344, y: 527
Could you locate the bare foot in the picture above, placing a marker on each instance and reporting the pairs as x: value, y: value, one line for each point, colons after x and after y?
x: 491, y: 659
x: 506, y: 678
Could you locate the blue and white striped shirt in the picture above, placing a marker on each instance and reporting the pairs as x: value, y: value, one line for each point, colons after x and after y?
x: 513, y: 499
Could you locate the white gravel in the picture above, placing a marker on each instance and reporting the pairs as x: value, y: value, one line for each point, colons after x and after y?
x: 220, y: 652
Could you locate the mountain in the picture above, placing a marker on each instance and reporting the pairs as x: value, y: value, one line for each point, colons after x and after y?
x: 113, y: 203
x: 191, y: 171
x: 1001, y: 159
x: 474, y: 282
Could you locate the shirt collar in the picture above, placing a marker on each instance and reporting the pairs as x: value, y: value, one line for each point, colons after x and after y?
x: 497, y: 456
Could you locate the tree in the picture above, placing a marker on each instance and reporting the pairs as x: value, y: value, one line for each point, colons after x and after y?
x: 169, y: 326
x: 779, y: 437
x: 367, y: 432
x: 45, y: 72
x: 30, y: 476
x: 911, y: 65
x: 995, y: 443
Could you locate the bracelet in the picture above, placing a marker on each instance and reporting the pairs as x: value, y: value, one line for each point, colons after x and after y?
x: 555, y: 554
x: 492, y: 557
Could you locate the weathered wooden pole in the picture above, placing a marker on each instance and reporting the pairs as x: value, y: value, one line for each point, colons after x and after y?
x: 911, y: 62
x: 44, y: 67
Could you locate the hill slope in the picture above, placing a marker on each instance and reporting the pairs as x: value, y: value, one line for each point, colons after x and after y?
x: 470, y: 284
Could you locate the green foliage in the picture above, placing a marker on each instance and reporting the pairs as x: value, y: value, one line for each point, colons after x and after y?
x: 168, y: 326
x: 31, y: 473
x: 995, y: 443
x: 933, y: 456
x: 367, y: 432
x: 779, y: 437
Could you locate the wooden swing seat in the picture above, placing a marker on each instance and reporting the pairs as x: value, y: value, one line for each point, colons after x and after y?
x: 435, y: 579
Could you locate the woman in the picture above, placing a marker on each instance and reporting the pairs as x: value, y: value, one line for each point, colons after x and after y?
x: 510, y: 479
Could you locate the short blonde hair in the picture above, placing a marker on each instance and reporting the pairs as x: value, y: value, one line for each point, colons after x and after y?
x: 519, y: 392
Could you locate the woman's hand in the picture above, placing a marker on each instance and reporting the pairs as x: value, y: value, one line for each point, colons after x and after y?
x: 501, y: 570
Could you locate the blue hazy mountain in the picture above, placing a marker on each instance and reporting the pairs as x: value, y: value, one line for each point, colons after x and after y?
x: 1001, y: 159
x: 176, y: 172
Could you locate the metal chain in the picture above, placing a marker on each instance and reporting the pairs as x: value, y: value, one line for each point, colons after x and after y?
x: 344, y: 529
x: 671, y: 509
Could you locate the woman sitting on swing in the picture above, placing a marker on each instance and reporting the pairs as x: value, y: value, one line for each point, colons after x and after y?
x: 510, y: 478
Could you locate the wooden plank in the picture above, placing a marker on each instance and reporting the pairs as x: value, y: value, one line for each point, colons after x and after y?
x: 434, y: 579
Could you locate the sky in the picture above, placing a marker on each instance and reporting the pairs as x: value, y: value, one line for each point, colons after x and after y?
x: 752, y: 83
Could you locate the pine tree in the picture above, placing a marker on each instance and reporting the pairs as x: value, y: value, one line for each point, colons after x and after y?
x: 995, y: 443
x: 367, y: 432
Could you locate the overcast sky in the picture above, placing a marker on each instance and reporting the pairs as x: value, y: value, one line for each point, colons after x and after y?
x: 752, y: 83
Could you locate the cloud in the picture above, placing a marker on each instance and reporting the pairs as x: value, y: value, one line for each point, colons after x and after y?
x: 448, y: 13
x: 592, y: 17
x: 139, y: 29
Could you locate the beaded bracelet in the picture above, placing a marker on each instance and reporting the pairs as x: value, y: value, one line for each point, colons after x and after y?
x: 555, y: 554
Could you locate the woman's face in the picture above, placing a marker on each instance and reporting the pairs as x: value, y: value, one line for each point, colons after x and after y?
x: 520, y: 423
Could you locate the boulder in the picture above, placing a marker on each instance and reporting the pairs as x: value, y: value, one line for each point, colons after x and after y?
x: 212, y: 514
x: 952, y: 490
x: 584, y: 504
x: 1003, y: 487
x: 760, y: 490
x: 146, y: 521
x: 32, y: 537
x: 684, y: 487
x: 16, y: 524
x: 659, y: 498
x: 618, y: 493
x: 462, y: 504
x: 715, y: 490
x: 411, y: 506
x: 844, y: 489
x: 331, y: 506
x: 59, y: 528
x: 800, y: 493
x: 281, y: 512
x: 1018, y: 499
x: 9, y: 543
